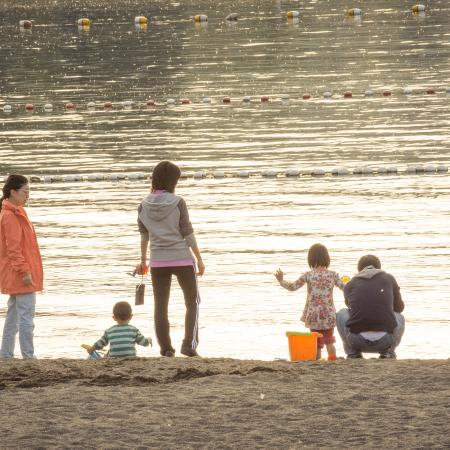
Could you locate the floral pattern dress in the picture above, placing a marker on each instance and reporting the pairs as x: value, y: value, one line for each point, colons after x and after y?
x: 319, y: 312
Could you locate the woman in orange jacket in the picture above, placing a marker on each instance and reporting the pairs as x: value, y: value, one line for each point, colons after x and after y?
x: 21, y: 274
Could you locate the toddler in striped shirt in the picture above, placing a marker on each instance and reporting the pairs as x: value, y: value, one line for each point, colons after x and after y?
x: 123, y: 336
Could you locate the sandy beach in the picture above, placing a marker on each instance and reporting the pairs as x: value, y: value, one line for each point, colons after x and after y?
x: 224, y: 403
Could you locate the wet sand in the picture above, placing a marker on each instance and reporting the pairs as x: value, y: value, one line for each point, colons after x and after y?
x: 224, y: 403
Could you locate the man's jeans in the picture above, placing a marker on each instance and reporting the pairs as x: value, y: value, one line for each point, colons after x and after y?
x: 19, y: 318
x: 355, y: 343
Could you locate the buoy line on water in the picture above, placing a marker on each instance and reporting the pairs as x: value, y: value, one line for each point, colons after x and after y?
x: 128, y: 105
x: 84, y: 23
x: 418, y: 169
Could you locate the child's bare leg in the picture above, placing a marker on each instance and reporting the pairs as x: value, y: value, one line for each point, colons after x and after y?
x: 319, y: 353
x: 331, y: 349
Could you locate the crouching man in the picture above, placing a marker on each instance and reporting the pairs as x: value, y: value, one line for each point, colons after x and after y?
x: 372, y: 323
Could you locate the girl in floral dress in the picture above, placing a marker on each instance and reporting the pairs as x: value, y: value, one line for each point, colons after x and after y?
x: 319, y: 313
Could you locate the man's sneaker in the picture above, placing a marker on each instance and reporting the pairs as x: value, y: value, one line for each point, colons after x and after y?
x: 354, y: 356
x: 390, y: 354
x: 169, y: 353
x: 189, y: 352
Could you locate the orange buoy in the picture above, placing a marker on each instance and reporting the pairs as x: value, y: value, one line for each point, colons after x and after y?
x: 226, y: 100
x: 348, y: 94
x: 84, y: 22
x: 306, y: 96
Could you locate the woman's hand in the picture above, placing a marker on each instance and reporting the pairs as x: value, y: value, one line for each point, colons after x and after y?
x: 279, y: 275
x: 200, y: 267
x: 141, y: 269
x: 27, y: 279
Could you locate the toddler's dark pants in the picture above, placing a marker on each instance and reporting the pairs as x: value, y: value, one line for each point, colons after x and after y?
x: 161, y: 281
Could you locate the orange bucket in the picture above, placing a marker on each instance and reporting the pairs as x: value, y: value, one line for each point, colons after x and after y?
x: 302, y: 345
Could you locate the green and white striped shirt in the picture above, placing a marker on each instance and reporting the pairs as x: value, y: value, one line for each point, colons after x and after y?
x: 121, y: 339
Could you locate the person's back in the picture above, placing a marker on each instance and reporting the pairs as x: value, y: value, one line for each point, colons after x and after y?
x: 372, y: 323
x: 372, y: 297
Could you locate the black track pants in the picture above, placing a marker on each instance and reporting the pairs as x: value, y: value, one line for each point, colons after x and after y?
x: 161, y: 281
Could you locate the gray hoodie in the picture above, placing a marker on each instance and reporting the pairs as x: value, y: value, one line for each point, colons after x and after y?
x: 164, y: 220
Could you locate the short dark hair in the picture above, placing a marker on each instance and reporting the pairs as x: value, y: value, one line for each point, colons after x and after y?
x: 318, y: 256
x: 165, y: 176
x: 122, y: 311
x: 12, y: 183
x: 368, y: 260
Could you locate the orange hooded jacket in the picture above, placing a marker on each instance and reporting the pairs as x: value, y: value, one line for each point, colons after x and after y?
x: 19, y: 251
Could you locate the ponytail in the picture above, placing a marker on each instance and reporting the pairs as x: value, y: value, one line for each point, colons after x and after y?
x: 13, y: 182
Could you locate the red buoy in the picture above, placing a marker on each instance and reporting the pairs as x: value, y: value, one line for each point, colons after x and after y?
x: 387, y: 93
x: 70, y: 105
x: 29, y: 107
x: 264, y: 98
x: 348, y: 94
x: 108, y: 105
x: 185, y: 101
x: 150, y: 102
x: 306, y: 96
x: 226, y: 100
x: 431, y: 91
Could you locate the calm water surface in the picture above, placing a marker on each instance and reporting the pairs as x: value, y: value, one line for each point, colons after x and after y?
x: 246, y: 228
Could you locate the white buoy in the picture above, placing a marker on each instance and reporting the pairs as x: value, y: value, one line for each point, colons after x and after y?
x: 232, y: 17
x: 368, y: 93
x: 136, y: 176
x: 293, y: 14
x: 218, y: 174
x: 269, y: 173
x: 392, y: 170
x: 91, y: 105
x: 285, y: 97
x: 317, y: 172
x: 140, y: 20
x: 327, y: 94
x: 407, y: 90
x: 27, y: 24
x: 243, y: 174
x: 430, y: 168
x: 48, y: 179
x: 381, y: 170
x: 340, y: 171
x: 127, y: 104
x: 201, y: 18
x: 68, y: 178
x: 354, y: 12
x: 84, y: 22
x: 199, y: 175
x: 7, y: 108
x: 367, y: 170
x: 442, y: 168
x: 357, y: 171
x: 413, y: 168
x: 247, y: 99
x: 292, y: 173
x: 418, y: 8
x: 48, y: 107
x: 206, y: 100
x: 170, y: 101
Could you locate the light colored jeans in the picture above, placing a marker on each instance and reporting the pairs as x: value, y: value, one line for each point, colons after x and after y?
x: 355, y: 344
x: 19, y: 318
